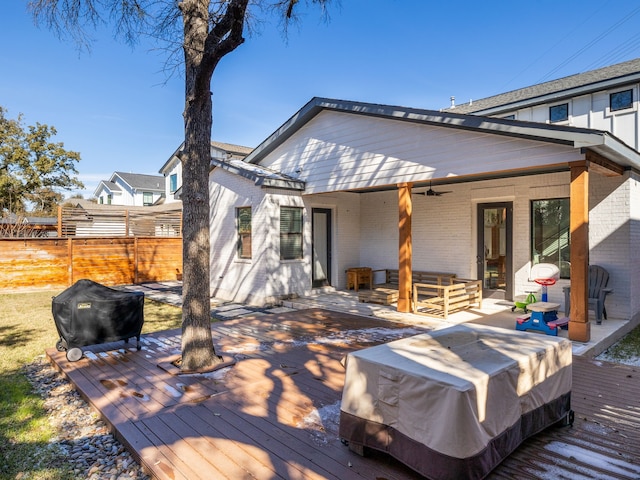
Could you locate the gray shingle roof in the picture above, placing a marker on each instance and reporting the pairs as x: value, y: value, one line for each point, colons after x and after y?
x: 235, y: 151
x: 616, y: 74
x: 142, y: 182
x: 114, y: 187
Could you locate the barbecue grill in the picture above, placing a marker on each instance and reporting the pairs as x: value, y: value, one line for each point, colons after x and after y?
x: 88, y: 313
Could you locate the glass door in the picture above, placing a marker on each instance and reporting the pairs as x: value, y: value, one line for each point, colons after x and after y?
x: 494, y: 249
x: 321, y: 233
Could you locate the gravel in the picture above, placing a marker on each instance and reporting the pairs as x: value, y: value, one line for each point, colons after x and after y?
x: 83, y: 443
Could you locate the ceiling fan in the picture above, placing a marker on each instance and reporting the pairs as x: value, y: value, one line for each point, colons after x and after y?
x: 432, y: 193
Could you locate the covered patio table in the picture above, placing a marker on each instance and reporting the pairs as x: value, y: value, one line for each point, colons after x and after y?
x: 455, y: 402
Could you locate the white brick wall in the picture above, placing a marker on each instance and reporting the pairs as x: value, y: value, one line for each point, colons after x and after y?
x: 365, y: 233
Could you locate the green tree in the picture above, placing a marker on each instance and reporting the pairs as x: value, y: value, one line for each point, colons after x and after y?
x: 206, y: 31
x: 33, y: 168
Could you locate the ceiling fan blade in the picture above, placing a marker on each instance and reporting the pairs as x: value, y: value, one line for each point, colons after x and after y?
x: 432, y: 193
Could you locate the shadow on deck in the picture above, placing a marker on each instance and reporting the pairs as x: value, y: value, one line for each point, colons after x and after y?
x: 274, y: 415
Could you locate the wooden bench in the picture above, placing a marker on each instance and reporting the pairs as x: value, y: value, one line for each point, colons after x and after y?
x: 441, y: 300
x: 386, y: 293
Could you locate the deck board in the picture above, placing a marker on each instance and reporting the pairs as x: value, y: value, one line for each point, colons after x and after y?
x: 254, y: 419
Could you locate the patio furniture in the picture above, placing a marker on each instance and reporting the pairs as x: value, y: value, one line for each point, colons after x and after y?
x: 598, y: 291
x: 543, y: 318
x: 357, y: 276
x: 441, y: 300
x: 391, y: 277
x: 387, y: 293
x: 455, y: 402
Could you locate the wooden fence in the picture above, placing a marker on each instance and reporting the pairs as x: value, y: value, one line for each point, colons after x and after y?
x: 57, y: 263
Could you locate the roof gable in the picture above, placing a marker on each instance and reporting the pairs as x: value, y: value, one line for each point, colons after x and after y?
x: 602, y: 142
x: 231, y: 151
x: 335, y: 145
x: 581, y: 83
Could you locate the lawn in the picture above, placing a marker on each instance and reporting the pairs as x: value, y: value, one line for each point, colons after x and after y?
x: 27, y: 329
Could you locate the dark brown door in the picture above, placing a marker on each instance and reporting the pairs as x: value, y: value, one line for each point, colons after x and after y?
x: 494, y: 256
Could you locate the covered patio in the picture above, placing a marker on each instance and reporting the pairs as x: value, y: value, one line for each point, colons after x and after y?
x: 344, y: 185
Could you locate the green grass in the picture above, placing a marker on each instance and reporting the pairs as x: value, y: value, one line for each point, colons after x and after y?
x: 27, y: 329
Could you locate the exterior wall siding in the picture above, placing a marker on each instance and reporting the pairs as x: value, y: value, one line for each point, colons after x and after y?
x: 633, y: 261
x: 350, y: 153
x: 265, y: 278
x: 592, y: 111
x: 176, y: 169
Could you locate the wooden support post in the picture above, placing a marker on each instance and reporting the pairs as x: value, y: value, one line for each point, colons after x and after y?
x: 135, y: 261
x: 70, y: 261
x: 405, y: 247
x: 59, y: 220
x: 579, y: 326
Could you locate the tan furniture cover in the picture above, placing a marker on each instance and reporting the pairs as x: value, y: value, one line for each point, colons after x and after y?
x: 455, y: 402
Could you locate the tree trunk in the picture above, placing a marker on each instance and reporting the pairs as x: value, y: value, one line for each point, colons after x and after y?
x: 197, y: 346
x: 203, y: 49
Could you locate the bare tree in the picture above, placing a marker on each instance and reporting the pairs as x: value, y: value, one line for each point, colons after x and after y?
x: 210, y: 29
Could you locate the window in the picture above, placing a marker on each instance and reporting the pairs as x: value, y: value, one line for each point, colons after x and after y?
x: 173, y: 182
x: 290, y: 233
x: 101, y: 199
x: 147, y: 198
x: 243, y: 226
x: 559, y: 113
x: 621, y: 100
x: 109, y: 197
x: 550, y: 241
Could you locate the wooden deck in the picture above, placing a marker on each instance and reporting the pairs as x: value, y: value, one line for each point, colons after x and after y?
x: 274, y: 414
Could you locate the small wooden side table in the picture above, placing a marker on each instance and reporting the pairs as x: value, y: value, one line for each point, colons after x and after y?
x: 359, y: 276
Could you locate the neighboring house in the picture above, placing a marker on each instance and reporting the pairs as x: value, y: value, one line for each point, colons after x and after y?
x: 344, y: 184
x: 172, y: 169
x: 12, y: 225
x: 84, y: 218
x: 604, y: 99
x: 130, y: 189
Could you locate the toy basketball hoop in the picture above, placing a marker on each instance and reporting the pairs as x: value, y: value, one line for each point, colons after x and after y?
x: 545, y: 275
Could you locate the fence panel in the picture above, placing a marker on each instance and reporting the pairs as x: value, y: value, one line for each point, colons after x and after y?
x: 55, y: 263
x: 34, y: 262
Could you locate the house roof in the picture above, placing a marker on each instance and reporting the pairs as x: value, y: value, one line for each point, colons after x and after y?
x: 234, y: 151
x: 139, y: 181
x: 603, y: 78
x: 601, y: 142
x: 107, y: 185
x: 261, y: 176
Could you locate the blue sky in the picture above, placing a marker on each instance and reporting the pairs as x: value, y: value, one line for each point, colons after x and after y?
x: 121, y: 111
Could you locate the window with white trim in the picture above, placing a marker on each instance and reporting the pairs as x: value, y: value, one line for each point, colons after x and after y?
x: 243, y: 225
